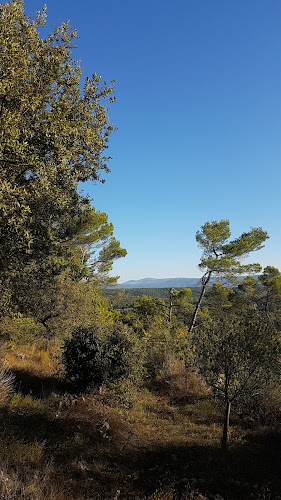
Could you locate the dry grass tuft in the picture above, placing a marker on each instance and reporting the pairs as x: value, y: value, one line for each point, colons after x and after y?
x: 31, y: 358
x: 181, y: 383
x: 7, y: 380
x: 29, y: 484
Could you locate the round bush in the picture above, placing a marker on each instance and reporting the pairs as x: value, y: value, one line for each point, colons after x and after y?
x: 93, y: 356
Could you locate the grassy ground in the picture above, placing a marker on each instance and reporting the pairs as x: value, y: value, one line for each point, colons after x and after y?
x: 149, y: 443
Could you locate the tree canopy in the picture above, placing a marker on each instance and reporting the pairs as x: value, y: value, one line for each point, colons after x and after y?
x: 53, y: 135
x: 222, y: 257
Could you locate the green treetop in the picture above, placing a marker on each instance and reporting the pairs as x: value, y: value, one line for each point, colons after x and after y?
x: 223, y: 258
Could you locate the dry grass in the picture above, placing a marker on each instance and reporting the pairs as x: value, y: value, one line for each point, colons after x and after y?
x: 7, y: 380
x: 157, y: 443
x: 180, y: 383
x: 31, y: 358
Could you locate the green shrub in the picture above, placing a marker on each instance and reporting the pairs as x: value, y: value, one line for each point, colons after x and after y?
x: 93, y: 356
x: 19, y: 328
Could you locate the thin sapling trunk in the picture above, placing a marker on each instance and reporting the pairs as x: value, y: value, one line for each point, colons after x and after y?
x: 205, y: 281
x: 224, y: 441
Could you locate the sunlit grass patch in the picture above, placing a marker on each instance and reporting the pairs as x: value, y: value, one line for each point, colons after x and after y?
x: 203, y: 411
x: 28, y: 404
x: 152, y: 421
x: 30, y: 357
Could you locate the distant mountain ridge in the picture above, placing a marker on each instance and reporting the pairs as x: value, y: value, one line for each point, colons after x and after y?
x: 161, y: 283
x: 171, y: 282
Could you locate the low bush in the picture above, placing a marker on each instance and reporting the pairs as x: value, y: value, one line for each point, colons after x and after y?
x: 261, y: 408
x: 93, y: 356
x: 179, y: 382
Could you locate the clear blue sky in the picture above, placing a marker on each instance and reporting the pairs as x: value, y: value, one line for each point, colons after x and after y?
x: 198, y: 113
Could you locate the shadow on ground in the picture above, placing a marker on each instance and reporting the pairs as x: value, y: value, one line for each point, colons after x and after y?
x: 39, y: 386
x: 251, y: 471
x: 76, y: 443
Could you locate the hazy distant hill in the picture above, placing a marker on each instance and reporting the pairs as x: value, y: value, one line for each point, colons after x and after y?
x: 161, y: 283
x: 170, y: 282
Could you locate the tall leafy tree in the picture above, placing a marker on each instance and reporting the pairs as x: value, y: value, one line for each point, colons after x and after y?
x: 222, y: 257
x: 53, y: 134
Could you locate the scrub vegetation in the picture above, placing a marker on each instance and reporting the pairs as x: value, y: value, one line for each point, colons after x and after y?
x: 105, y: 395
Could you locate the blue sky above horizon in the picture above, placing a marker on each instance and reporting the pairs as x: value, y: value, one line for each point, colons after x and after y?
x: 198, y: 111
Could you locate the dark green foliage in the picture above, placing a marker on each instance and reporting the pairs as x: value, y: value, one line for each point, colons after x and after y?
x: 82, y: 357
x: 93, y: 356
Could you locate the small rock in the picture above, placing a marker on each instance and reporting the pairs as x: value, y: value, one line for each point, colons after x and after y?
x: 201, y: 497
x: 21, y: 355
x: 255, y: 486
x: 184, y: 480
x: 104, y: 428
x: 4, y: 476
x: 82, y: 464
x: 218, y: 497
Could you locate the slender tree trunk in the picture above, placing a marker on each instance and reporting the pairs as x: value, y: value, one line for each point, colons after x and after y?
x: 224, y: 441
x: 205, y: 280
x: 171, y: 294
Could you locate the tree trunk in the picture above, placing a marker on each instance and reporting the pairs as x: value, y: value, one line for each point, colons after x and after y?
x: 171, y: 294
x: 205, y: 281
x: 224, y: 441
